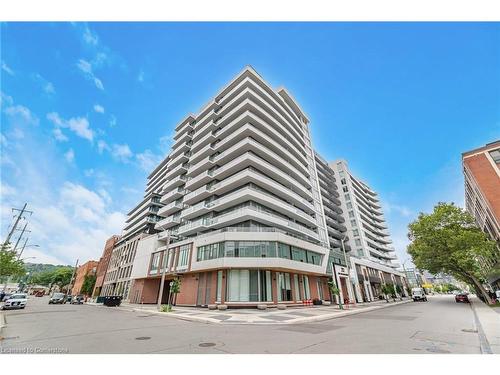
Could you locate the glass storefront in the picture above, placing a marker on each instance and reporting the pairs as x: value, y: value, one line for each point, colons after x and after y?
x: 249, y: 286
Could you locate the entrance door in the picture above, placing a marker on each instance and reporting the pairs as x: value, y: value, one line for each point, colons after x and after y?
x: 343, y: 285
x: 202, y: 283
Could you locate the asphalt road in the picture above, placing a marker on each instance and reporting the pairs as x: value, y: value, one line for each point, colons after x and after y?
x: 438, y: 326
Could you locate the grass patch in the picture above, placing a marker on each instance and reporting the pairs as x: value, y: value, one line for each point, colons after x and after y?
x: 166, y: 308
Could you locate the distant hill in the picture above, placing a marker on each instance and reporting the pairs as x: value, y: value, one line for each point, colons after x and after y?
x: 34, y: 268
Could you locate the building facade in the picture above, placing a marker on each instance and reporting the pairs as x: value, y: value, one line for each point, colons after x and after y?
x: 103, y: 264
x: 242, y: 205
x: 481, y: 169
x: 373, y: 261
x: 140, y: 223
x: 87, y: 269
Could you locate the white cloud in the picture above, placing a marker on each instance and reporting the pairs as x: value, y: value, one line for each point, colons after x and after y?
x: 400, y: 209
x: 79, y: 125
x: 46, y: 86
x: 59, y: 135
x: 5, y: 100
x: 90, y: 37
x: 166, y: 143
x: 140, y: 76
x: 121, y: 152
x: 86, y: 68
x: 70, y: 155
x: 98, y: 108
x: 148, y: 161
x: 21, y: 113
x: 3, y: 140
x: 112, y: 121
x: 70, y: 220
x: 6, y: 69
x: 101, y: 146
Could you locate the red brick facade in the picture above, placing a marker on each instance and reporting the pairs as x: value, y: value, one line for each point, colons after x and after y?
x: 85, y: 269
x: 103, y: 264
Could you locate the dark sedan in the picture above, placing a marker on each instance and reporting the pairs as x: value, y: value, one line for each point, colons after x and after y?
x: 461, y: 297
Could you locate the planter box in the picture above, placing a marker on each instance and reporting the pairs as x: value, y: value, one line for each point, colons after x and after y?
x: 221, y: 307
x: 262, y: 307
x: 212, y: 307
x: 327, y: 303
x: 281, y: 307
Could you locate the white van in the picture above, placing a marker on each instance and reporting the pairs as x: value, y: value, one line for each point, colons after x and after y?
x: 418, y: 294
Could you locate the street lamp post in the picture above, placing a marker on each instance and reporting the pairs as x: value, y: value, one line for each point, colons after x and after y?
x: 345, y: 260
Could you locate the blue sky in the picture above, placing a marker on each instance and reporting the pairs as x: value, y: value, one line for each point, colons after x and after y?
x: 88, y: 109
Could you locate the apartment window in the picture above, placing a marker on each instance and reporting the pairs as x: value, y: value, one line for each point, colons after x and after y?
x: 305, y: 283
x: 347, y: 197
x: 355, y: 232
x: 299, y: 254
x: 345, y: 189
x: 351, y: 213
x: 360, y: 252
x: 296, y: 287
x: 284, y: 251
x: 495, y: 155
x: 358, y: 242
x: 154, y: 263
x: 349, y: 205
x: 353, y: 223
x: 343, y: 181
x: 183, y: 257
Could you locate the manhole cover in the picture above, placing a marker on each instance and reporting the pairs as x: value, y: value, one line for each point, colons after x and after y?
x: 143, y: 338
x: 470, y: 330
x: 206, y: 344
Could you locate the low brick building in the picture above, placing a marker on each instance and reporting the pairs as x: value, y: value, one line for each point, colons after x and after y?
x: 103, y: 264
x: 89, y: 268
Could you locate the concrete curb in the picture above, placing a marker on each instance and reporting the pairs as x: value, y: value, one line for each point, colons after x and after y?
x: 3, y: 321
x: 488, y: 326
x: 292, y: 321
x: 344, y: 313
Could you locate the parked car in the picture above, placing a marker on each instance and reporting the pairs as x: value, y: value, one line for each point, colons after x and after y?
x: 78, y: 300
x: 461, y: 297
x: 418, y: 294
x: 57, y: 298
x: 15, y: 301
x: 6, y: 297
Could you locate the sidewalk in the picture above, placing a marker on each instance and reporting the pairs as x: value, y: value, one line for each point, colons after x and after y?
x: 489, y: 325
x: 292, y: 315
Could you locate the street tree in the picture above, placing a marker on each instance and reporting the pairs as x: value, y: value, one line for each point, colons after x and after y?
x: 62, y: 277
x: 88, y: 285
x: 9, y: 264
x: 448, y: 241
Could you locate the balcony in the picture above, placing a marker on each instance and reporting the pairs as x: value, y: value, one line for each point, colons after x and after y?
x: 181, y: 148
x: 199, y: 180
x: 169, y: 222
x: 200, y: 143
x: 180, y: 169
x: 179, y: 159
x: 247, y: 213
x: 173, y: 195
x: 175, y: 182
x: 170, y: 208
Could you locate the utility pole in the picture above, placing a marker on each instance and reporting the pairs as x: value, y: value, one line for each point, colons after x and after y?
x: 15, y: 223
x: 164, y: 271
x: 21, y: 235
x: 22, y: 249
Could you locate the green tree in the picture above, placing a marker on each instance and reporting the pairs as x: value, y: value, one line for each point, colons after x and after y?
x: 62, y: 277
x: 175, y: 288
x: 448, y: 241
x: 88, y: 285
x: 9, y: 264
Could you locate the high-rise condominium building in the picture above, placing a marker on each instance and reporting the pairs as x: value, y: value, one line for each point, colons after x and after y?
x: 140, y: 222
x: 366, y: 227
x: 242, y: 205
x: 482, y: 198
x: 373, y: 259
